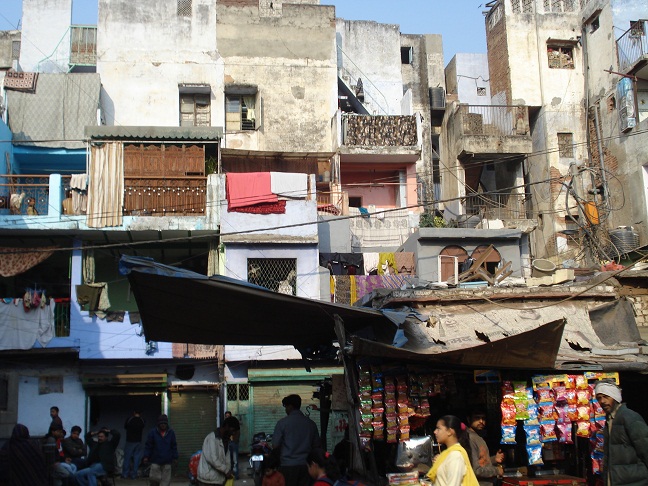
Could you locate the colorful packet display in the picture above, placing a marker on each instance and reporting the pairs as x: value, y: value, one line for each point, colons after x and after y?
x: 534, y: 452
x: 532, y: 434
x: 565, y: 433
x: 508, y: 434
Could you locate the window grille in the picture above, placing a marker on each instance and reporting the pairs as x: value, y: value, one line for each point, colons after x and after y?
x: 560, y: 57
x: 240, y: 113
x: 15, y: 50
x: 244, y: 391
x: 276, y: 274
x: 195, y: 110
x: 566, y: 144
x: 184, y: 8
x: 481, y: 91
x: 62, y: 317
x: 232, y: 393
x: 559, y: 6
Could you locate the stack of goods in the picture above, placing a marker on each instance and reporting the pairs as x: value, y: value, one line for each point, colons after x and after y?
x: 411, y: 478
x: 556, y: 407
x: 392, y: 403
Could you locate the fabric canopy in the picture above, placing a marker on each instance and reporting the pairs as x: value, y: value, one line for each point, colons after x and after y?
x: 14, y: 261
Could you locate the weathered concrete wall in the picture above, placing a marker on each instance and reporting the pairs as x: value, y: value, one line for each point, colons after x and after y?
x: 371, y: 51
x: 145, y: 50
x: 464, y: 74
x: 290, y: 58
x: 7, y: 38
x: 334, y: 235
x: 47, y: 37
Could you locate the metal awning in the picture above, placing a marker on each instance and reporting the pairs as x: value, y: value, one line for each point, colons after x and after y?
x: 136, y: 133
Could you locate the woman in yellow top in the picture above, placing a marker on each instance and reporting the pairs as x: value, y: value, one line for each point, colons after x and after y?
x: 452, y: 467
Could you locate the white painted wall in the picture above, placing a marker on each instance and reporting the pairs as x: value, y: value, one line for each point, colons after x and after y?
x: 471, y: 73
x: 371, y: 51
x: 33, y: 408
x: 45, y: 45
x: 141, y: 64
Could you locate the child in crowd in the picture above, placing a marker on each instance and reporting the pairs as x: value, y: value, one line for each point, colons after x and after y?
x: 271, y: 476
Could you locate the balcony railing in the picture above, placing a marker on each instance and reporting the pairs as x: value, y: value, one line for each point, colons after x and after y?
x: 149, y: 196
x: 377, y: 131
x: 83, y: 45
x: 330, y: 202
x: 26, y: 194
x: 632, y: 45
x: 497, y: 206
x: 494, y: 120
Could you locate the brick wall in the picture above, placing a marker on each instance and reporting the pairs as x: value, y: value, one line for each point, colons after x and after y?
x: 498, y: 59
x: 640, y: 306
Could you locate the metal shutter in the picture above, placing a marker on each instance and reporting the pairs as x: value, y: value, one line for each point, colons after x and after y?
x: 192, y: 415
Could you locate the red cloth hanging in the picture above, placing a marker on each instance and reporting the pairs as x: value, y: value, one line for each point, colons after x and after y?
x: 248, y: 189
x: 278, y: 207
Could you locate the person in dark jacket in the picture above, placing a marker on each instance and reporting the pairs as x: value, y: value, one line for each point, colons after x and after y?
x: 101, y: 459
x: 74, y: 448
x: 21, y: 460
x: 161, y: 450
x: 134, y: 426
x: 625, y: 460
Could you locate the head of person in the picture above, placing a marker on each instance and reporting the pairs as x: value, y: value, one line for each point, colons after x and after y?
x: 271, y: 465
x: 163, y: 422
x: 291, y: 402
x: 75, y: 432
x: 20, y: 432
x: 228, y: 414
x: 57, y: 432
x: 102, y: 435
x: 137, y: 413
x: 477, y: 419
x: 608, y: 394
x: 449, y: 430
x: 230, y: 425
x: 54, y: 411
x: 321, y: 463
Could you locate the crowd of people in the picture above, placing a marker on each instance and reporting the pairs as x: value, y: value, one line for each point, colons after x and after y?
x: 298, y: 457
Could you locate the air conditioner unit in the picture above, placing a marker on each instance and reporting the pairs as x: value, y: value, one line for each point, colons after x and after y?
x: 437, y: 98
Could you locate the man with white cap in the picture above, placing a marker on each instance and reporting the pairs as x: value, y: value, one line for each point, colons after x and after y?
x: 625, y: 460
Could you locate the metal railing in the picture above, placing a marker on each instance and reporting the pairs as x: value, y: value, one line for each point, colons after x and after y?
x: 62, y: 317
x: 497, y: 206
x: 179, y: 196
x: 494, y: 120
x: 27, y: 194
x: 330, y: 202
x: 632, y: 45
x: 83, y: 45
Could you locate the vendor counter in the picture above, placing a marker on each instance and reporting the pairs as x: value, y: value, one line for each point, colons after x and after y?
x: 543, y: 480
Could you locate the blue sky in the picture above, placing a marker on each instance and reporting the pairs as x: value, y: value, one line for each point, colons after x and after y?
x: 460, y: 22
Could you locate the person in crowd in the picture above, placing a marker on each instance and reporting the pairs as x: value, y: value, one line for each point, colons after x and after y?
x: 296, y: 436
x: 101, y: 458
x: 134, y: 426
x: 62, y: 467
x: 485, y: 466
x: 56, y: 420
x: 452, y: 467
x: 21, y: 460
x: 215, y: 466
x: 322, y: 468
x: 74, y: 448
x: 161, y: 451
x: 234, y: 445
x: 625, y: 445
x: 271, y: 474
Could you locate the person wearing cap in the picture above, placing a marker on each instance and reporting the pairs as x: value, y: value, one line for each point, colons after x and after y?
x: 215, y: 467
x: 296, y: 436
x: 625, y: 447
x: 485, y: 466
x: 161, y: 451
x: 101, y: 458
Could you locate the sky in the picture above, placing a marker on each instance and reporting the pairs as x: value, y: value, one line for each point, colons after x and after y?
x: 460, y: 22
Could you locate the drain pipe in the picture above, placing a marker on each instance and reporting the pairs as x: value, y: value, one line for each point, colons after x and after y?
x: 599, y: 145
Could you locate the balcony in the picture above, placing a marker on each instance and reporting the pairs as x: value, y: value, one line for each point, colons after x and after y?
x: 83, y: 45
x: 27, y: 194
x: 380, y: 138
x: 497, y: 206
x: 489, y: 130
x: 162, y: 196
x: 632, y: 49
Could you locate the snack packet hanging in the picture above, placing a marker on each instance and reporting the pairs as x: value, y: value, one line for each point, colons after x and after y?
x: 532, y: 434
x: 535, y: 454
x: 508, y: 434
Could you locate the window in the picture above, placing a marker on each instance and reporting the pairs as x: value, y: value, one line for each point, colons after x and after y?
x: 50, y: 384
x: 355, y: 202
x: 407, y: 54
x: 595, y: 24
x: 481, y: 91
x: 15, y: 50
x: 240, y: 112
x: 522, y: 6
x: 559, y: 6
x: 276, y: 274
x: 566, y: 144
x: 560, y: 57
x: 184, y: 8
x: 195, y: 110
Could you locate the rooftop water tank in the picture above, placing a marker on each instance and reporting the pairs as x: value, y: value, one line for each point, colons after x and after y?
x: 625, y: 239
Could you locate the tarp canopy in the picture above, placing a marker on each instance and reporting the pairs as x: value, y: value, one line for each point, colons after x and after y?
x: 182, y: 306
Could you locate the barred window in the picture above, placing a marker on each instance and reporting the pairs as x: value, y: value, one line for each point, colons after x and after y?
x: 244, y: 391
x: 481, y: 91
x: 184, y: 8
x: 276, y: 274
x: 522, y: 6
x: 566, y: 144
x: 232, y: 393
x: 559, y: 6
x: 560, y: 57
x: 62, y: 317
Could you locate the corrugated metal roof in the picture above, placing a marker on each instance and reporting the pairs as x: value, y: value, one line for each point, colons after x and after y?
x: 153, y: 133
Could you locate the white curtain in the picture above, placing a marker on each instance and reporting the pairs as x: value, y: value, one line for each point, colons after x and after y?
x: 106, y: 185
